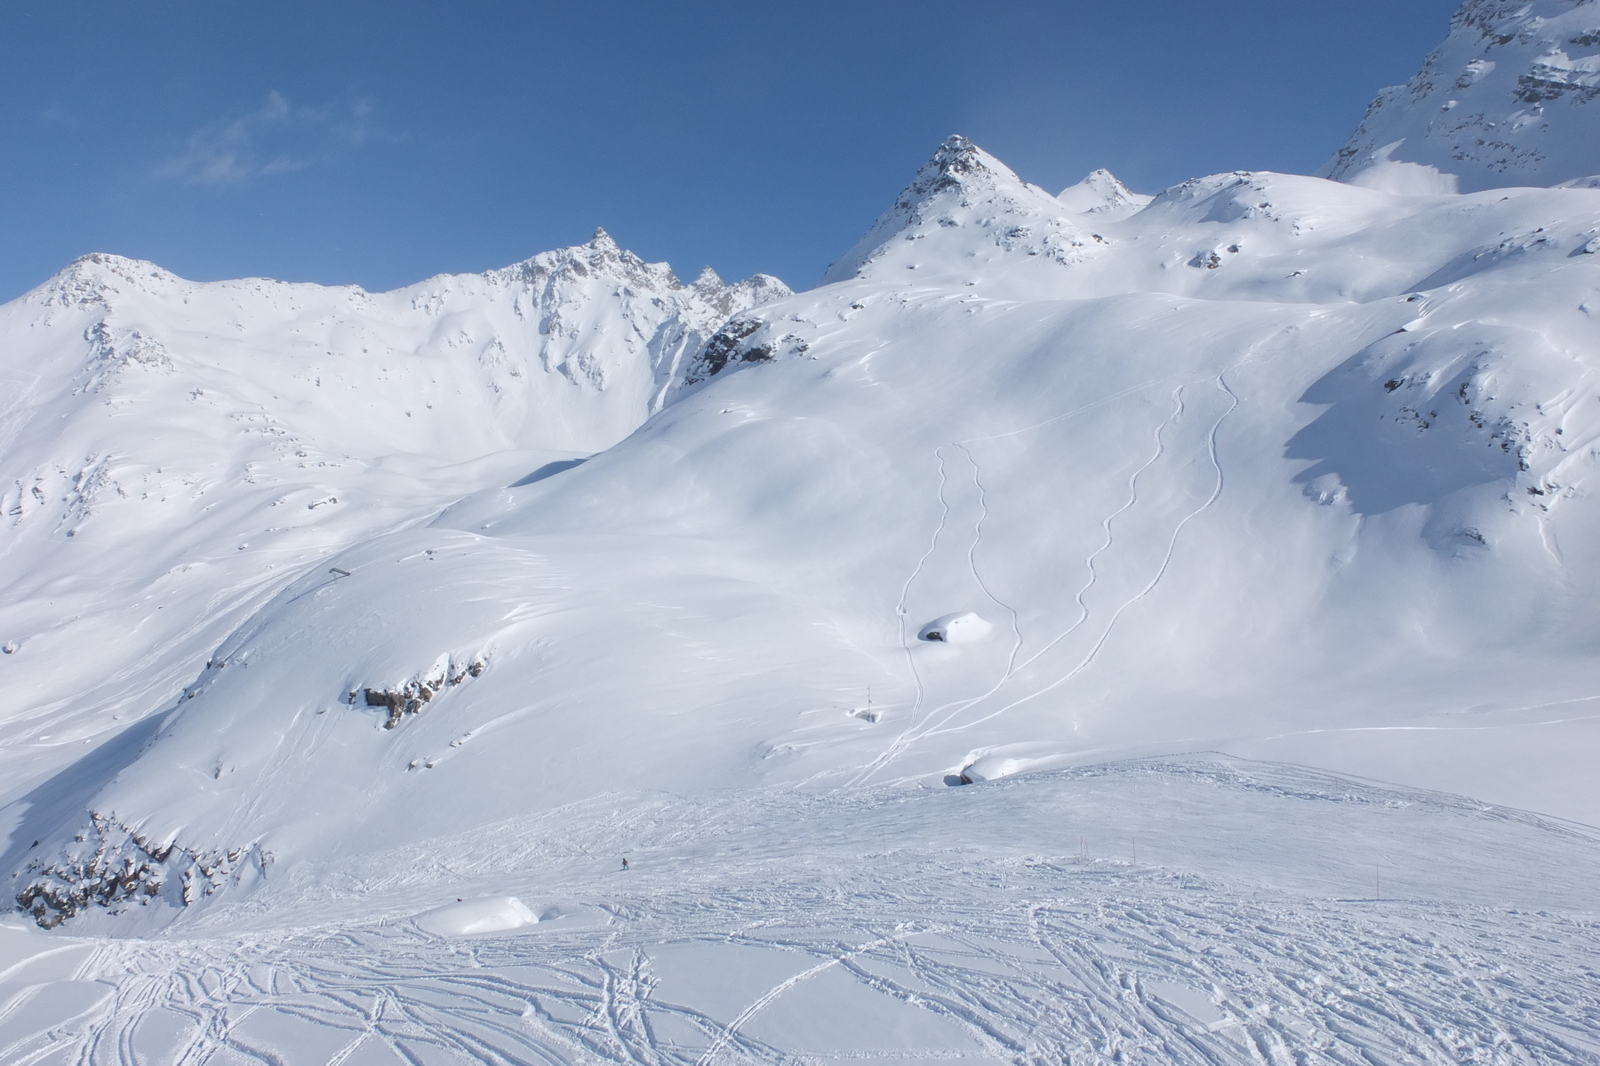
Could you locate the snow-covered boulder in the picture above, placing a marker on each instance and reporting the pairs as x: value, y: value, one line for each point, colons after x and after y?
x: 472, y: 917
x: 962, y: 627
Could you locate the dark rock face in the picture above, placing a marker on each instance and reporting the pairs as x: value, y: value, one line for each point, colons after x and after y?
x: 411, y: 696
x: 741, y: 340
x: 726, y: 345
x: 952, y: 166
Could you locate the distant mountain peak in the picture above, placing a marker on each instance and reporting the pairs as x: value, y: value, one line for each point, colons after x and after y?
x: 960, y: 185
x: 1102, y: 196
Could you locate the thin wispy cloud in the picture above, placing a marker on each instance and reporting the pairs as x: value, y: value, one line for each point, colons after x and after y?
x: 276, y: 138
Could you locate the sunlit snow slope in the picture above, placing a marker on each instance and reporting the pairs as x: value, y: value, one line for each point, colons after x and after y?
x: 1274, y: 465
x: 172, y: 453
x: 1508, y: 99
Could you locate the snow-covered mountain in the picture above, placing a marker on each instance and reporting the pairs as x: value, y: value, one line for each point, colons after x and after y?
x: 1165, y: 526
x: 1508, y: 99
x: 1275, y: 465
x: 175, y: 452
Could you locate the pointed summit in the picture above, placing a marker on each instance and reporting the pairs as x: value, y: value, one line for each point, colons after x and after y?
x: 957, y: 165
x: 1102, y: 196
x: 962, y: 186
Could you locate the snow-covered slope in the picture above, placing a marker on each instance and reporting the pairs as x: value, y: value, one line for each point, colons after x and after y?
x: 1094, y: 628
x: 1508, y: 99
x: 172, y: 453
x: 1277, y: 466
x: 1198, y: 912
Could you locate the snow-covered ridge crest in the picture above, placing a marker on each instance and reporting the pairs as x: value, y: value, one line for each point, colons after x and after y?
x: 560, y: 292
x: 92, y: 278
x: 1508, y: 99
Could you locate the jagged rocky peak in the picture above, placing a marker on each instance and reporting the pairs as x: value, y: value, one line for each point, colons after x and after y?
x: 961, y: 187
x: 601, y: 256
x: 1102, y: 196
x: 958, y: 164
x: 728, y: 300
x: 1512, y: 97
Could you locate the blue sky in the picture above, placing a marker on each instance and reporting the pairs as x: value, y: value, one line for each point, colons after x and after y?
x: 376, y: 143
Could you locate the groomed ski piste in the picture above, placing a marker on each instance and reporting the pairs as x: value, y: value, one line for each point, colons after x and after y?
x: 1086, y: 628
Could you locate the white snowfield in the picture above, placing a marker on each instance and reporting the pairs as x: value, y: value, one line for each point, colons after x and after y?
x: 354, y: 640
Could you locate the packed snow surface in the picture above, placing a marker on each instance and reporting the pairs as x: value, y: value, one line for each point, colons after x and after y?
x: 1201, y: 910
x: 352, y: 641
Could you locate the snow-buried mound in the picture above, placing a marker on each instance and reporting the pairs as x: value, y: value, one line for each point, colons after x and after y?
x: 491, y: 914
x: 962, y: 627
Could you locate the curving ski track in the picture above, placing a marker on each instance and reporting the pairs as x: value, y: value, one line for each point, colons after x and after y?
x: 1081, y: 979
x: 1161, y: 571
x: 938, y: 720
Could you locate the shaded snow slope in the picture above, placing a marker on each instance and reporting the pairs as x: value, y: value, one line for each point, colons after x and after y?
x: 1508, y: 99
x: 172, y: 453
x: 1276, y: 465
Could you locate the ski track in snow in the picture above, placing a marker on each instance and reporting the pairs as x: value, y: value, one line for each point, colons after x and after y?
x: 902, y: 609
x: 972, y: 560
x: 1133, y: 497
x: 916, y: 716
x: 1166, y: 562
x: 937, y: 721
x: 1105, y: 976
x: 1105, y: 529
